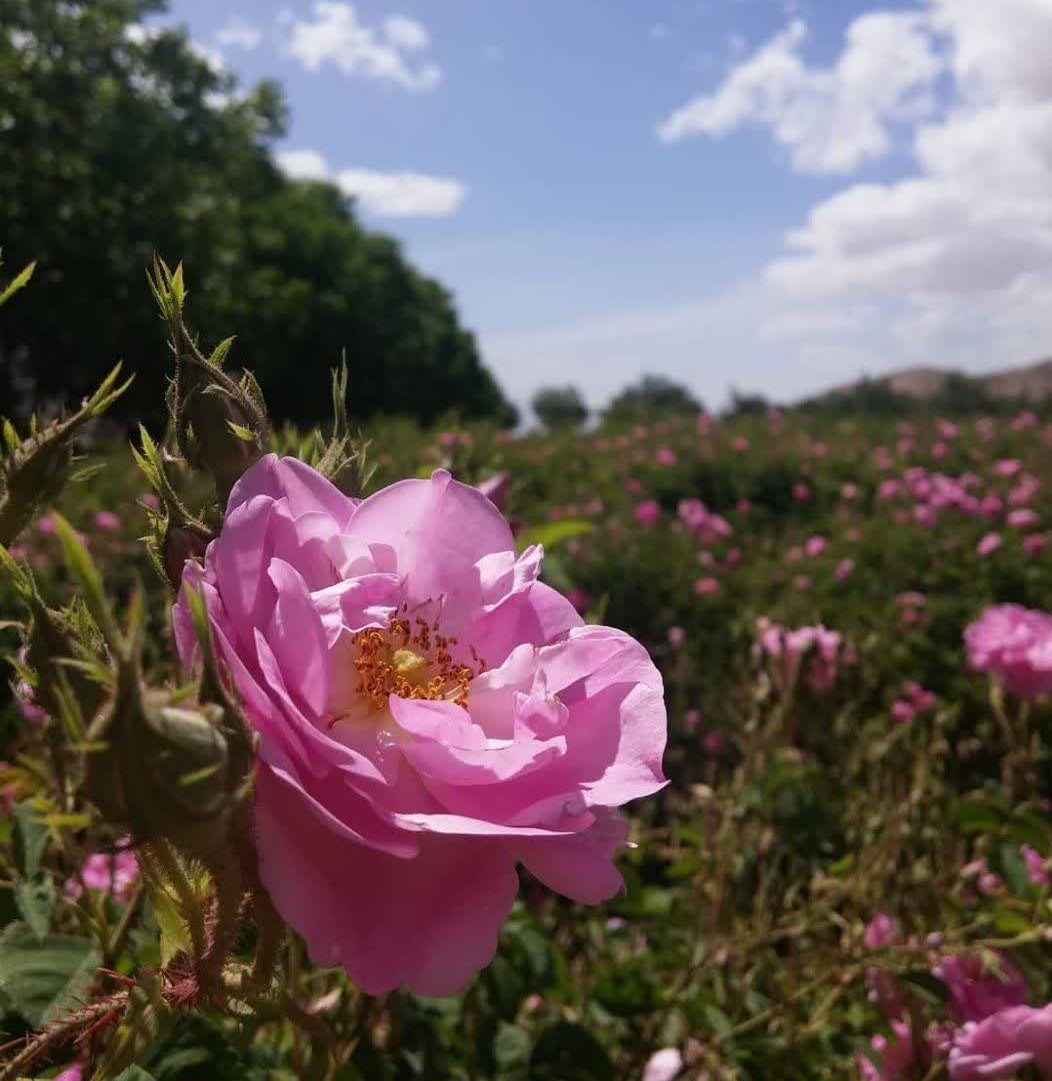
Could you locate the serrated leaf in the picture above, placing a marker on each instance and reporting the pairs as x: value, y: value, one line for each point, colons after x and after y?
x: 30, y: 837
x: 174, y: 928
x: 35, y: 898
x: 44, y: 978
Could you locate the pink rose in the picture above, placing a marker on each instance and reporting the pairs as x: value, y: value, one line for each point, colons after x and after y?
x: 1003, y: 1044
x: 1036, y: 865
x: 1013, y: 644
x: 495, y: 489
x: 107, y: 521
x: 976, y: 992
x: 110, y: 872
x: 663, y: 1065
x: 881, y: 931
x: 648, y: 512
x: 896, y: 1056
x: 989, y: 544
x: 429, y: 715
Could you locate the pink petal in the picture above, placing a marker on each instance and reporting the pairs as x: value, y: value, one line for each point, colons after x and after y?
x: 303, y: 487
x: 430, y: 922
x: 579, y: 866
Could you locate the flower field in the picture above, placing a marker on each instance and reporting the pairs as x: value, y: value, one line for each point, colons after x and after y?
x: 846, y: 876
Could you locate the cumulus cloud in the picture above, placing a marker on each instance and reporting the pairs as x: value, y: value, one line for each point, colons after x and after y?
x: 964, y: 245
x: 385, y: 194
x: 393, y: 53
x: 238, y: 33
x: 830, y: 120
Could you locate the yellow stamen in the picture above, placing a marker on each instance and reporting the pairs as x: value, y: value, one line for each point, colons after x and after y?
x: 411, y: 661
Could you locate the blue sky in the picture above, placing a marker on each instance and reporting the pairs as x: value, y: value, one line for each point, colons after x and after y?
x: 755, y: 193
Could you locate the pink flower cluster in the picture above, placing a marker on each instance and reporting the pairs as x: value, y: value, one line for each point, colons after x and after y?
x: 913, y: 701
x: 114, y: 873
x: 706, y: 525
x: 822, y: 647
x: 993, y: 1034
x: 1014, y: 645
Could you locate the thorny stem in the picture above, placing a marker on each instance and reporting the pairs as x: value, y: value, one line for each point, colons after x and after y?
x: 61, y: 1032
x: 116, y: 941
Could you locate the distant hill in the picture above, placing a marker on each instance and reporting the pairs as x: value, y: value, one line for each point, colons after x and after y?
x: 1032, y: 382
x: 942, y: 388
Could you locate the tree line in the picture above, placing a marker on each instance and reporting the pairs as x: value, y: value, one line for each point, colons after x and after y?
x: 118, y: 143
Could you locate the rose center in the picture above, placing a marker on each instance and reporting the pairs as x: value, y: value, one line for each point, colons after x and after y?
x: 411, y: 660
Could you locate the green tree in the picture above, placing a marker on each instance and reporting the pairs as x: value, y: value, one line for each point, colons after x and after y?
x: 120, y: 141
x: 560, y: 407
x: 652, y: 396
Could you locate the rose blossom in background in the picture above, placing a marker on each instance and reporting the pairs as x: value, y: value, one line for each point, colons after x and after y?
x: 1036, y: 866
x: 1014, y: 645
x: 881, y: 931
x: 989, y: 544
x: 975, y: 991
x: 663, y: 1065
x: 1002, y: 1045
x: 107, y: 521
x: 109, y: 872
x: 429, y: 715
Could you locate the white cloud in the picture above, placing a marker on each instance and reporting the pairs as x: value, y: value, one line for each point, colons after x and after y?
x: 403, y: 195
x: 962, y: 249
x: 303, y: 164
x: 393, y: 195
x: 238, y: 33
x: 830, y: 120
x: 407, y: 34
x: 333, y: 34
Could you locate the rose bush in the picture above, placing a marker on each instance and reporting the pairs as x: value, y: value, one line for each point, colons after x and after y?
x: 429, y: 715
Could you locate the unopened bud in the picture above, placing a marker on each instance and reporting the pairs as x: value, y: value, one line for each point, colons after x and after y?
x: 165, y: 772
x: 36, y: 468
x: 220, y: 422
x: 180, y: 543
x: 51, y: 642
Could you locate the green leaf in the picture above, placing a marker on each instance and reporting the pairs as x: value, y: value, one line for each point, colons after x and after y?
x: 44, y: 978
x: 30, y: 837
x: 175, y: 931
x: 553, y: 533
x: 1009, y: 921
x: 567, y: 1052
x: 930, y: 987
x: 18, y: 282
x: 718, y: 1021
x: 35, y: 898
x: 1014, y: 868
x: 975, y: 816
x: 511, y: 1046
x: 134, y: 1073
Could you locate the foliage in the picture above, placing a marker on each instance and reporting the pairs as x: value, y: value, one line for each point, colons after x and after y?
x: 803, y: 801
x: 121, y: 141
x: 560, y: 407
x: 654, y: 396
